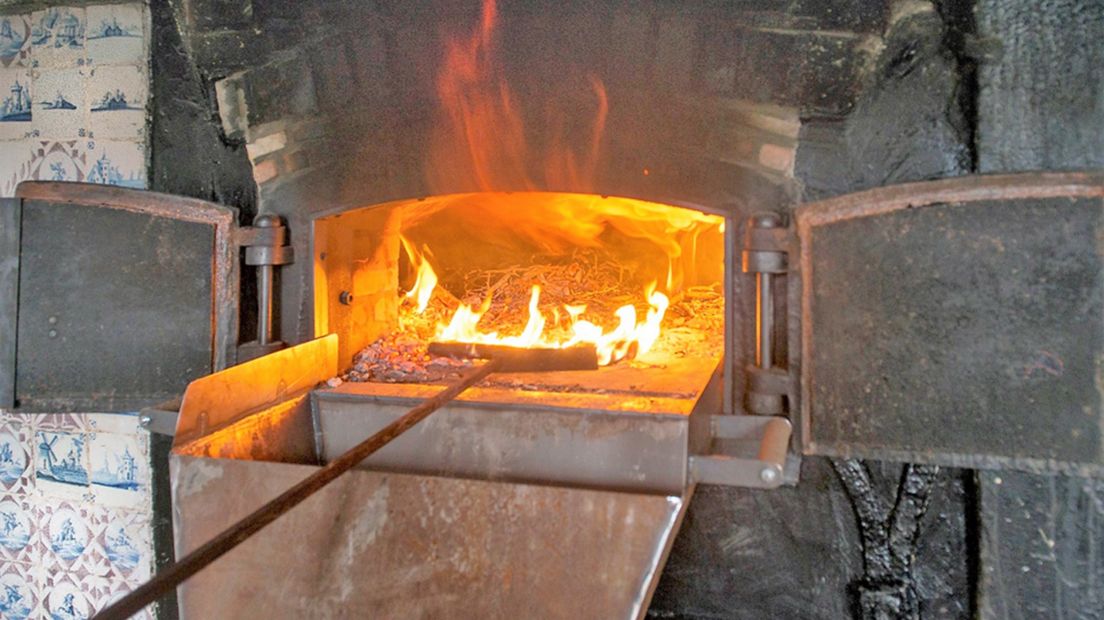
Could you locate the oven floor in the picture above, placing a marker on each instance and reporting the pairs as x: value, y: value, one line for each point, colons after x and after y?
x: 649, y: 385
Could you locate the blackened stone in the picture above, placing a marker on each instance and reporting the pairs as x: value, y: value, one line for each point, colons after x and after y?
x: 1041, y: 99
x: 1042, y: 546
x: 906, y: 125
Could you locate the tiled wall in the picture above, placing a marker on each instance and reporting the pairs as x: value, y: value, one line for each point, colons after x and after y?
x: 75, y: 507
x: 74, y: 83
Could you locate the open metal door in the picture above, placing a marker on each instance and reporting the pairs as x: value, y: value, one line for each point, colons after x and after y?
x: 111, y: 299
x: 957, y: 322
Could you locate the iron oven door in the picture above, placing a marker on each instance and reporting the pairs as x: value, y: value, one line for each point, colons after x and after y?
x: 956, y: 322
x: 111, y: 299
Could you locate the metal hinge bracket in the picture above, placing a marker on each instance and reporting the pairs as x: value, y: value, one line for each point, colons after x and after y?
x: 266, y: 248
x: 766, y: 254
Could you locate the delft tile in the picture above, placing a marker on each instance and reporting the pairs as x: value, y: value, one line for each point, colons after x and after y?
x: 16, y: 450
x: 19, y: 594
x: 59, y: 109
x: 61, y: 465
x: 68, y: 539
x: 119, y: 591
x: 57, y: 37
x: 122, y: 423
x: 120, y: 470
x: 15, y: 40
x: 16, y: 107
x: 126, y: 538
x: 57, y: 421
x: 16, y: 157
x: 19, y: 530
x: 114, y: 162
x: 117, y: 34
x: 117, y: 103
x: 63, y: 597
x: 60, y: 161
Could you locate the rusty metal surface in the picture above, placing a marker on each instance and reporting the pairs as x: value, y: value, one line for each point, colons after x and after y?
x: 515, y: 442
x: 224, y: 266
x: 11, y: 213
x: 385, y: 545
x: 216, y: 401
x: 115, y: 307
x: 958, y: 322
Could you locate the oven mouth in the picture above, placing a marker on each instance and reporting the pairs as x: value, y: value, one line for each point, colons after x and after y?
x: 641, y: 282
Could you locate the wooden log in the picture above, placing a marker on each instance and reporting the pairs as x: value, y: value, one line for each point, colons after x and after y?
x: 522, y: 359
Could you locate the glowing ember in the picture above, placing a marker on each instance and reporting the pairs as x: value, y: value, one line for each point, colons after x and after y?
x: 629, y: 339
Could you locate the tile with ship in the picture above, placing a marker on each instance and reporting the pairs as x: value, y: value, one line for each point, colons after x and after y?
x: 61, y: 464
x: 59, y: 108
x: 120, y: 470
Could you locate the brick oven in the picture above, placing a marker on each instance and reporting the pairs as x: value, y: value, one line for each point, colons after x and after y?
x: 825, y: 355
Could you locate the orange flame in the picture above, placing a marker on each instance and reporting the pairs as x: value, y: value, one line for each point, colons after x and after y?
x: 481, y: 139
x: 629, y: 339
x: 425, y: 280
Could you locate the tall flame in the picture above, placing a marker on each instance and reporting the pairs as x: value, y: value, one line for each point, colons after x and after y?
x: 481, y: 140
x: 425, y: 280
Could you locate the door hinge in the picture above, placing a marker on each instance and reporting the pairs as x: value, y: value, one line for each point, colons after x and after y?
x: 266, y: 248
x: 767, y: 255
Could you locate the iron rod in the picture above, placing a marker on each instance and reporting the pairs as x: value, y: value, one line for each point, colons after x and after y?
x: 264, y: 304
x: 174, y: 574
x: 765, y: 319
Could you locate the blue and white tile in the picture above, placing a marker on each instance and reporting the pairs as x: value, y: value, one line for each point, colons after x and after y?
x: 64, y: 598
x: 19, y: 527
x: 120, y: 470
x: 15, y: 40
x: 126, y: 541
x: 19, y: 584
x: 16, y: 449
x: 57, y: 421
x: 61, y: 464
x: 68, y: 533
x: 117, y: 98
x: 116, y: 162
x: 121, y: 423
x: 57, y: 37
x: 117, y: 34
x: 16, y: 157
x: 16, y: 103
x: 120, y: 590
x: 60, y: 112
x: 60, y: 161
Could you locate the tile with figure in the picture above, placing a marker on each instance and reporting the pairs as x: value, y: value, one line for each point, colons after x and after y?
x: 58, y: 161
x: 18, y: 529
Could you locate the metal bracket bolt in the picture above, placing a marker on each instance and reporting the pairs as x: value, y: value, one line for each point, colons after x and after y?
x: 765, y: 255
